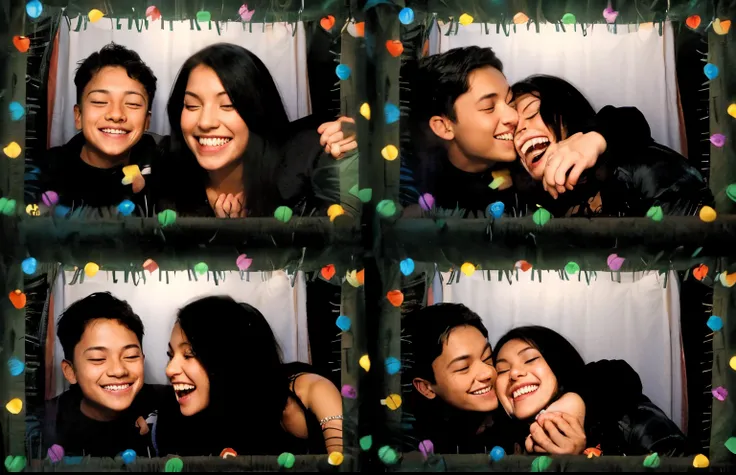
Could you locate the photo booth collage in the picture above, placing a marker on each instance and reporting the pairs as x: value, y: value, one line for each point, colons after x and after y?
x: 374, y: 235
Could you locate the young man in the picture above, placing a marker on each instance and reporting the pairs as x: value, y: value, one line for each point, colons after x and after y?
x: 108, y: 408
x: 453, y: 394
x: 110, y: 160
x: 463, y: 123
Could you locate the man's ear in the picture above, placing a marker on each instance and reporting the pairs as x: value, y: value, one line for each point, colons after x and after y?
x: 77, y: 117
x: 442, y: 127
x: 68, y: 370
x: 424, y: 387
x: 147, y: 124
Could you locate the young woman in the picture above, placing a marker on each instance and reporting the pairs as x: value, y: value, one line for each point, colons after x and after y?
x: 539, y: 370
x: 633, y: 174
x: 233, y: 391
x: 232, y: 152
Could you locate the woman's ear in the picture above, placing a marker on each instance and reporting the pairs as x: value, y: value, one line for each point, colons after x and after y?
x: 442, y: 127
x: 68, y: 370
x: 424, y: 387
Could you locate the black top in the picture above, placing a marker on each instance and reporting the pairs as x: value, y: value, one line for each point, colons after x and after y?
x: 242, y: 429
x: 634, y: 174
x: 183, y: 188
x: 79, y: 184
x: 622, y: 419
x: 65, y: 425
x: 618, y: 417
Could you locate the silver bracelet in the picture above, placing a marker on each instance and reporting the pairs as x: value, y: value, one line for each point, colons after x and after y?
x: 330, y: 418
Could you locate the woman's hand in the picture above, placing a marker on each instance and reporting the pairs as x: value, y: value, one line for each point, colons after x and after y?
x: 568, y: 159
x: 335, y: 140
x: 556, y: 433
x: 230, y: 206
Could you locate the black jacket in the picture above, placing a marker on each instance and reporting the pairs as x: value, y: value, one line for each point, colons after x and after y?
x: 65, y: 425
x: 622, y: 419
x: 634, y: 174
x: 183, y: 186
x: 618, y: 417
x: 100, y: 190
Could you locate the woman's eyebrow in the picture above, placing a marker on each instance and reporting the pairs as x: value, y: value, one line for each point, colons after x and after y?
x: 530, y: 103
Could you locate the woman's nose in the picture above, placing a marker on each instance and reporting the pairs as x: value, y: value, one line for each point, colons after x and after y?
x: 517, y: 373
x: 208, y: 119
x: 172, y: 369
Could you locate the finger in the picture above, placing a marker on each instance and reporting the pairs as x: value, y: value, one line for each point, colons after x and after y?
x: 566, y: 163
x: 575, y: 173
x: 347, y: 140
x: 550, y: 169
x: 218, y: 206
x: 349, y: 146
x: 335, y: 138
x: 573, y: 424
x: 558, y: 438
x: 541, y: 438
x: 327, y: 130
x: 529, y: 444
x: 335, y: 150
x: 344, y: 118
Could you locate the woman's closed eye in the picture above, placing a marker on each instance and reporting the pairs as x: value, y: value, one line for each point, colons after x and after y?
x: 532, y: 360
x: 191, y: 107
x: 170, y: 355
x: 532, y: 116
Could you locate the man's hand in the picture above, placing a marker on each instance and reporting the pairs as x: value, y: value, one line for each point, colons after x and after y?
x: 335, y: 141
x: 568, y: 159
x: 556, y: 433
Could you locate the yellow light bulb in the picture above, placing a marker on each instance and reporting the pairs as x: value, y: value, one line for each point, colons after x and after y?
x: 365, y: 111
x: 91, y: 269
x: 467, y: 269
x: 12, y: 150
x: 365, y: 363
x: 14, y: 406
x: 390, y: 152
x: 465, y: 19
x: 95, y: 15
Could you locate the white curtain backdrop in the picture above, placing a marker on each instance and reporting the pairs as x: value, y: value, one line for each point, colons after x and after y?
x: 157, y: 302
x: 636, y: 319
x: 283, y: 52
x: 632, y: 67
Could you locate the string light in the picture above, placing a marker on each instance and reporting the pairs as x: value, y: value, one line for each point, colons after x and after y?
x: 465, y: 19
x: 521, y: 18
x: 95, y: 15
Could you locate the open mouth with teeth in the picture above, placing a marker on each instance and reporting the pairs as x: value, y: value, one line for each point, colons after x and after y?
x: 524, y: 391
x: 482, y: 391
x: 533, y: 149
x: 117, y: 388
x: 114, y: 132
x: 507, y: 137
x: 183, y: 390
x: 213, y: 143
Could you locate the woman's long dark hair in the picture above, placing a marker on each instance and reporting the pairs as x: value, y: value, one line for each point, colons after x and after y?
x: 256, y: 98
x: 563, y: 108
x: 563, y: 359
x: 248, y: 387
